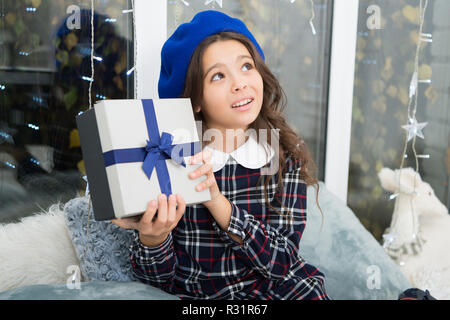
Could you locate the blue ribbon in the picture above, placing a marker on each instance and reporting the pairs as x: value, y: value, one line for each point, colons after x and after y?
x: 156, y: 152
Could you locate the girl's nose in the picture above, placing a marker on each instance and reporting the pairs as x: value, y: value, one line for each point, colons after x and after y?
x: 239, y: 85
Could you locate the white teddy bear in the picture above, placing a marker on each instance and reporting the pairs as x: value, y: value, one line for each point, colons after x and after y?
x: 418, y: 238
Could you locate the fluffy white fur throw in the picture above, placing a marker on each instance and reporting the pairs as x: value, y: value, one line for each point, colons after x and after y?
x: 430, y: 267
x: 29, y: 255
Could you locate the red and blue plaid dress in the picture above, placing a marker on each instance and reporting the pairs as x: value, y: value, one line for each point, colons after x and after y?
x: 199, y: 260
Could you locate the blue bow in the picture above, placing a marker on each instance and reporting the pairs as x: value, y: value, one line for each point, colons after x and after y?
x: 156, y: 150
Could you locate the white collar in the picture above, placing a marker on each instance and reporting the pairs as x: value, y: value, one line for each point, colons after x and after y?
x: 251, y: 155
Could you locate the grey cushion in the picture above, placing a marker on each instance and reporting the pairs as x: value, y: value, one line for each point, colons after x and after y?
x: 351, y: 258
x: 106, y: 256
x: 94, y: 290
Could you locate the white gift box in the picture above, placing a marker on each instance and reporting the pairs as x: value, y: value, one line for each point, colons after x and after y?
x: 119, y: 136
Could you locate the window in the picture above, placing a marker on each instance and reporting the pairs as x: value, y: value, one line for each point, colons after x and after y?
x: 384, y: 69
x: 297, y: 57
x: 45, y: 67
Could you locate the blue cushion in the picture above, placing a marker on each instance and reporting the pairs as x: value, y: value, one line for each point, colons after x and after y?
x: 94, y: 290
x: 354, y: 263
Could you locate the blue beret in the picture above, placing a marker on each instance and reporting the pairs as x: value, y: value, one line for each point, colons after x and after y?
x: 177, y: 51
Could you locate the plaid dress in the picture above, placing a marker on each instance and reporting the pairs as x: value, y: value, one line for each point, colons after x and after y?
x: 199, y: 260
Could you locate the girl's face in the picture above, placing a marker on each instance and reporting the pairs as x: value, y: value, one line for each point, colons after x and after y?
x: 232, y: 87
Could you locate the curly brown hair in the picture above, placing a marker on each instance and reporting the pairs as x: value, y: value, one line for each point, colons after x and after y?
x: 270, y: 117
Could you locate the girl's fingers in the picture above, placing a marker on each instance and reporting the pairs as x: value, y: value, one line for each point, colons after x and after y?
x: 207, y: 156
x: 126, y: 223
x: 171, y: 214
x: 206, y: 184
x: 150, y: 213
x: 204, y: 169
x: 162, y: 210
x: 181, y: 208
x: 202, y: 156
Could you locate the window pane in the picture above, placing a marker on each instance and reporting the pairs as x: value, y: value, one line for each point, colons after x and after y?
x: 384, y: 69
x: 299, y: 59
x: 44, y: 56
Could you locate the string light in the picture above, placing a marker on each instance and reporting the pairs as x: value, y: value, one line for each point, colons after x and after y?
x: 91, y: 79
x: 9, y: 164
x: 313, y: 15
x: 87, y: 79
x: 34, y: 161
x: 393, y: 196
x: 413, y: 129
x: 426, y: 37
x: 4, y: 135
x: 219, y: 2
x: 131, y: 71
x: 32, y: 126
x: 37, y: 99
x: 134, y: 49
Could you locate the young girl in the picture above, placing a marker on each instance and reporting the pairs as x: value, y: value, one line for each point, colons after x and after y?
x: 245, y: 242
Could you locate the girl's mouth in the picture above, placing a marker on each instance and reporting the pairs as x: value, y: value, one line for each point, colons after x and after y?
x: 243, y: 105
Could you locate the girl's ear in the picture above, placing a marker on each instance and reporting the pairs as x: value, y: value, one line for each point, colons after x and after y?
x: 197, y: 109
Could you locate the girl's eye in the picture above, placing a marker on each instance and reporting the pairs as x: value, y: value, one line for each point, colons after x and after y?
x: 247, y: 66
x: 217, y: 76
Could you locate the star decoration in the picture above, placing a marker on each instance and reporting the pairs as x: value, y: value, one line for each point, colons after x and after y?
x: 415, y: 129
x: 219, y: 2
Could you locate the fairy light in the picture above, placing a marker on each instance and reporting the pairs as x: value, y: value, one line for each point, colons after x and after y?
x: 313, y: 15
x: 87, y: 79
x: 219, y: 2
x: 131, y: 71
x: 9, y: 164
x: 33, y: 126
x: 413, y: 89
x: 426, y: 37
x: 413, y: 128
x: 34, y: 161
x: 91, y: 79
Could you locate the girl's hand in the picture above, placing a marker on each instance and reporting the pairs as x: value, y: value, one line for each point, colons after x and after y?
x: 154, y: 230
x: 206, y: 169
